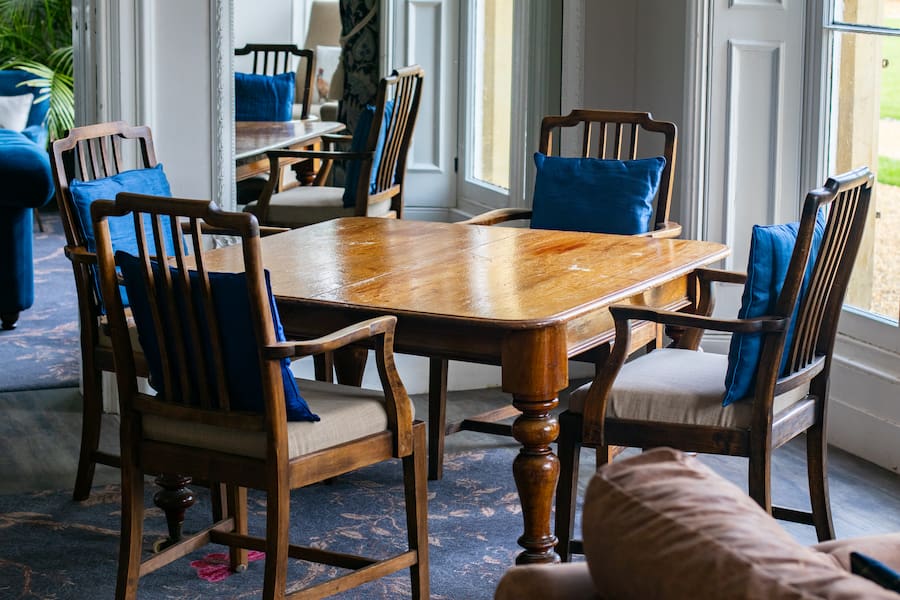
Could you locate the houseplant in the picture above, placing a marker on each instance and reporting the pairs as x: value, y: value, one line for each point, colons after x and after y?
x: 36, y: 37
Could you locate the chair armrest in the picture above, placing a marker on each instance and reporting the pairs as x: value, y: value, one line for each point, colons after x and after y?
x: 500, y: 215
x: 80, y: 255
x: 397, y: 402
x: 331, y: 138
x: 206, y: 229
x: 321, y: 154
x: 333, y: 341
x: 669, y: 229
x: 680, y: 319
x: 721, y: 276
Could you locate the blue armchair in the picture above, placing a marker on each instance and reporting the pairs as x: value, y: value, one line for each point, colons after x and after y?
x: 27, y: 183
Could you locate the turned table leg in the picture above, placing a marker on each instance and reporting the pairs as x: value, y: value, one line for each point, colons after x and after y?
x: 536, y: 471
x: 173, y: 499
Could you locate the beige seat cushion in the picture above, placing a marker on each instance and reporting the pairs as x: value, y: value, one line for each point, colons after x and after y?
x: 662, y: 525
x: 678, y: 386
x: 883, y: 548
x: 306, y: 204
x: 347, y: 413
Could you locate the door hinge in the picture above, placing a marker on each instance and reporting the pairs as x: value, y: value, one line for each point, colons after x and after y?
x: 456, y: 164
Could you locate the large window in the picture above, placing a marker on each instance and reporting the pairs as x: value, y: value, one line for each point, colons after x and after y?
x: 864, y: 112
x: 486, y: 115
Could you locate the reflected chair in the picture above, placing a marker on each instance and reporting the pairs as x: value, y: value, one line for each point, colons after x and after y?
x: 275, y: 59
x: 376, y: 163
x: 224, y: 417
x: 771, y: 388
x: 571, y: 201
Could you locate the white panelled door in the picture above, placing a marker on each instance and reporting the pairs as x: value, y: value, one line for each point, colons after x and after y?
x: 424, y: 32
x: 756, y: 103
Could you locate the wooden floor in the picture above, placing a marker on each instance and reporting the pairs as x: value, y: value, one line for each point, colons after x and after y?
x: 39, y: 435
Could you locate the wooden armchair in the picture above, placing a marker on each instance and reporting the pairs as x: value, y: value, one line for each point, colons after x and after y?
x: 91, y: 153
x: 379, y: 149
x: 674, y: 396
x: 246, y: 427
x: 604, y: 134
x: 274, y: 59
x: 609, y: 134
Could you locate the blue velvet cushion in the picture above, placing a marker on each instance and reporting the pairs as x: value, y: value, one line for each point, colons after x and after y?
x: 231, y: 304
x: 873, y: 570
x: 263, y: 97
x: 595, y: 195
x: 771, y: 247
x: 358, y: 144
x: 121, y: 229
x: 24, y: 171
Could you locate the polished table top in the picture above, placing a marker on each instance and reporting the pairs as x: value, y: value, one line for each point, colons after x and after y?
x: 256, y: 137
x: 524, y: 299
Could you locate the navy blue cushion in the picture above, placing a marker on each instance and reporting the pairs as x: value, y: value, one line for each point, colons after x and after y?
x: 231, y: 304
x: 595, y: 195
x: 873, y: 570
x: 263, y: 97
x: 771, y: 247
x: 121, y: 229
x: 358, y: 144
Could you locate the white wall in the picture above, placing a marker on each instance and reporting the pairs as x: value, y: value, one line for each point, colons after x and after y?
x: 633, y: 62
x: 180, y: 93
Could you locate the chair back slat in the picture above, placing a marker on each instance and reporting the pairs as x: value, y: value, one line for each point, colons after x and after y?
x: 610, y: 134
x: 816, y: 322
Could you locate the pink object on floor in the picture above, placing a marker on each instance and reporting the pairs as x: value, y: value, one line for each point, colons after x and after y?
x: 214, y: 567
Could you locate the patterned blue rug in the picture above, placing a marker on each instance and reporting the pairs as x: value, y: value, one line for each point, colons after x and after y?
x: 43, y: 350
x: 52, y: 547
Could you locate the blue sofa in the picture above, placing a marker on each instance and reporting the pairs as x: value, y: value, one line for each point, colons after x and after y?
x: 27, y: 184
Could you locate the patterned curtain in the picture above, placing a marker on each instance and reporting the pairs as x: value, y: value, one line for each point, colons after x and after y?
x: 359, y: 39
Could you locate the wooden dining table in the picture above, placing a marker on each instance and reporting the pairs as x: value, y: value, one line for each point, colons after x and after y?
x: 252, y: 139
x: 524, y: 299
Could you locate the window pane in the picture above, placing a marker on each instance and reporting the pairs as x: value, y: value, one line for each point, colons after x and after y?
x: 865, y: 130
x: 493, y: 87
x: 878, y: 13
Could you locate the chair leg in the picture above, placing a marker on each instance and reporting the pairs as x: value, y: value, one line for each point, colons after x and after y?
x: 132, y: 533
x: 237, y: 508
x: 277, y: 524
x: 416, y: 490
x: 92, y: 416
x: 437, y: 416
x: 760, y: 480
x: 817, y: 470
x: 569, y: 452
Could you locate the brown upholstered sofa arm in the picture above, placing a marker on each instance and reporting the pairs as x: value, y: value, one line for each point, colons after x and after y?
x: 565, y: 581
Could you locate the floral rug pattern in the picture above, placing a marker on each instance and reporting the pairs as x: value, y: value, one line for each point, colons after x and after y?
x: 54, y: 548
x: 43, y: 350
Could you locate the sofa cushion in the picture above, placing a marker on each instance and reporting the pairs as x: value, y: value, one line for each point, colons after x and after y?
x: 595, y: 195
x: 566, y: 581
x: 884, y: 548
x: 14, y: 111
x: 662, y: 525
x: 874, y: 570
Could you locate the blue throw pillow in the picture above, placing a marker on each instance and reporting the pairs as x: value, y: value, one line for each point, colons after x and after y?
x: 121, y: 229
x: 874, y: 570
x: 771, y: 248
x: 595, y: 195
x: 263, y: 97
x: 358, y: 144
x: 231, y: 303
